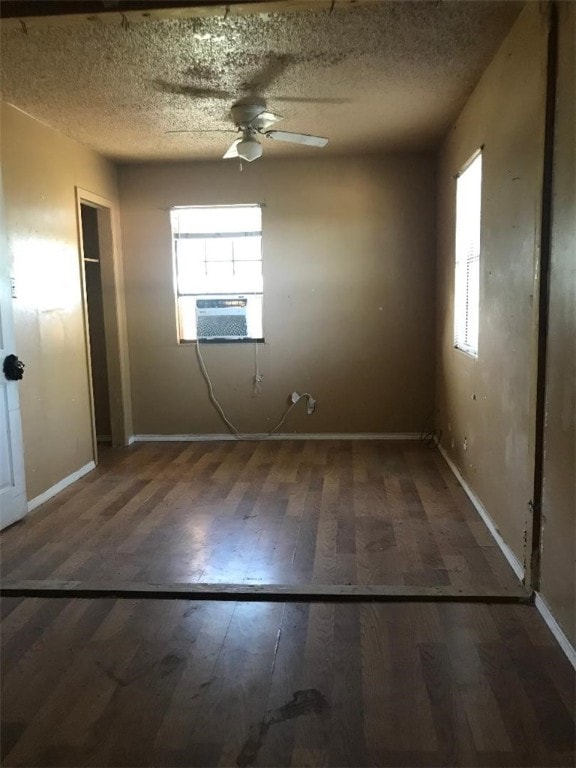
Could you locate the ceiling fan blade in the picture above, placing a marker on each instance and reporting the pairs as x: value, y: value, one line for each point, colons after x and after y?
x: 232, y: 150
x: 265, y: 120
x: 297, y: 138
x: 204, y: 130
x: 309, y: 100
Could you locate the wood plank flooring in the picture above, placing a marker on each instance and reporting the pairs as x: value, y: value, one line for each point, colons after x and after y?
x: 182, y: 683
x: 286, y: 512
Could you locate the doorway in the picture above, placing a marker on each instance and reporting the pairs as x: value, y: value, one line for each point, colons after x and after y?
x: 106, y: 353
x: 95, y: 322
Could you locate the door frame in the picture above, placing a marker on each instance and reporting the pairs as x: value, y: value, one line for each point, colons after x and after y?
x: 111, y: 280
x: 13, y: 496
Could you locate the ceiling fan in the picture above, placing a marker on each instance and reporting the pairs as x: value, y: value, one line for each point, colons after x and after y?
x: 253, y: 121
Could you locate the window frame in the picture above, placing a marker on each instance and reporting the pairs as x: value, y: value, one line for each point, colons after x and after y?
x: 216, y: 294
x: 465, y: 259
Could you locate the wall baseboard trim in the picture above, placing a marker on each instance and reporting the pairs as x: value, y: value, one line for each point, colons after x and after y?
x: 64, y: 483
x: 555, y: 628
x: 515, y: 564
x: 191, y: 438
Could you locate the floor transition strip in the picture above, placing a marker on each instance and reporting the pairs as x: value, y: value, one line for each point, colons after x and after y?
x: 263, y: 592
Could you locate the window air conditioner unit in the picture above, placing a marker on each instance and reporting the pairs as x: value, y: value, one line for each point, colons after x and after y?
x: 221, y: 318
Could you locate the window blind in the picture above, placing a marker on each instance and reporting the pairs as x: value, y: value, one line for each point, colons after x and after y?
x: 467, y: 277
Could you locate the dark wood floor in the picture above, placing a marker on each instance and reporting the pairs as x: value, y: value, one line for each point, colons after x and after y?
x: 290, y: 512
x: 170, y: 683
x: 181, y: 683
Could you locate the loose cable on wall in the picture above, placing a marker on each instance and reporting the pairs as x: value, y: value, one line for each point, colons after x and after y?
x: 431, y: 438
x: 215, y: 402
x: 286, y: 414
x: 212, y: 396
x: 257, y: 375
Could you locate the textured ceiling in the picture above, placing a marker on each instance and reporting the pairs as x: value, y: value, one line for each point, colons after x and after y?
x: 385, y: 76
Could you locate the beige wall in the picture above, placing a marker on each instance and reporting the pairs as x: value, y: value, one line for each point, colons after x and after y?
x: 489, y: 401
x: 558, y: 564
x: 41, y: 169
x: 348, y: 297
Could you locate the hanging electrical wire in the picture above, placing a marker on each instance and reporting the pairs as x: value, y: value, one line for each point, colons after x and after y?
x: 216, y: 403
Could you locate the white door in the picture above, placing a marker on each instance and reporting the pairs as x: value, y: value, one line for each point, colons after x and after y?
x: 12, y: 486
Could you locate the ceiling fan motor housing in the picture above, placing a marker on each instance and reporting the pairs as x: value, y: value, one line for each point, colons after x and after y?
x: 244, y: 114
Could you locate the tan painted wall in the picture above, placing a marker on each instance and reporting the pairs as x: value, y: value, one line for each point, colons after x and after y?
x: 348, y: 315
x: 489, y: 400
x: 40, y: 171
x: 558, y: 585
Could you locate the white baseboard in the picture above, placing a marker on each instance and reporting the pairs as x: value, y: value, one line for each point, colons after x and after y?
x: 555, y: 628
x: 64, y: 483
x: 192, y: 438
x: 515, y: 564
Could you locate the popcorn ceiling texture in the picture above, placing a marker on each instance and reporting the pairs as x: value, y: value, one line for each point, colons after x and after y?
x: 376, y: 78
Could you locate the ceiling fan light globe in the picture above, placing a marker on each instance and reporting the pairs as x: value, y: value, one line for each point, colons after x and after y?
x: 249, y: 150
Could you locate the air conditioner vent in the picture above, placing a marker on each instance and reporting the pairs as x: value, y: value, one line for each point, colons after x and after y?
x: 221, y: 318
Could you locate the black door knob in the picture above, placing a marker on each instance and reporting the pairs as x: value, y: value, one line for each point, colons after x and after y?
x: 13, y: 368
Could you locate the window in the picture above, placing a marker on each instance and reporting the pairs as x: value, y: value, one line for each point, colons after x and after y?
x: 218, y: 262
x: 467, y: 279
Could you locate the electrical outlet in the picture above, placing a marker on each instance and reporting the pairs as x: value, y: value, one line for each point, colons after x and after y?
x: 310, y: 406
x: 465, y: 444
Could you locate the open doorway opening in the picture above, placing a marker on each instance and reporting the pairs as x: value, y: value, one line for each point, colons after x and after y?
x: 95, y: 322
x: 104, y: 320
